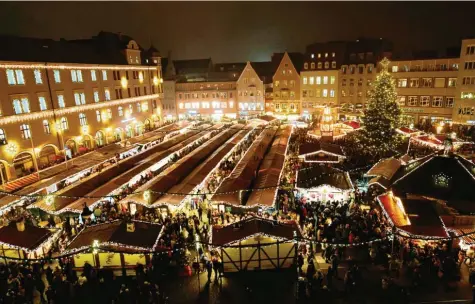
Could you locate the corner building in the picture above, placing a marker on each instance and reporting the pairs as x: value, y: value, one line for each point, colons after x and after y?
x: 68, y: 97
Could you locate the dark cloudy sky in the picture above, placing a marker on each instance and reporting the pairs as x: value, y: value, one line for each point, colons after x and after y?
x: 240, y: 31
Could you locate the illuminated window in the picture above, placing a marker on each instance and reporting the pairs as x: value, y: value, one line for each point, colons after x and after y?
x: 333, y: 54
x: 3, y: 137
x: 82, y: 119
x: 332, y: 79
x: 180, y: 105
x: 42, y: 102
x: 79, y: 98
x: 325, y: 79
x: 139, y: 108
x: 333, y: 64
x: 276, y: 84
x: 131, y: 109
x: 305, y: 65
x: 312, y: 56
x: 76, y: 76
x: 38, y: 78
x: 98, y: 116
x: 332, y: 93
x: 437, y: 101
x: 327, y: 65
x: 401, y: 100
x: 319, y: 65
x: 449, y: 102
x: 121, y: 111
x: 107, y: 94
x: 402, y: 82
x: 21, y: 105
x: 312, y: 65
x: 412, y: 101
x: 61, y: 102
x: 109, y: 113
x: 317, y: 93
x: 15, y: 77
x: 104, y: 75
x: 326, y: 55
x: 325, y: 93
x: 394, y: 68
x: 305, y: 80
x: 144, y: 106
x: 427, y: 82
x: 319, y: 80
x: 57, y: 76
x: 312, y: 80
x: 96, y: 95
x: 292, y: 94
x: 25, y: 131
x: 93, y: 75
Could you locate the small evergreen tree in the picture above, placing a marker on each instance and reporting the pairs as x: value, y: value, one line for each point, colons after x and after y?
x: 378, y: 138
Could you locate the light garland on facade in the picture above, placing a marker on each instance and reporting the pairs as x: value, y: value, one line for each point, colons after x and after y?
x: 53, y: 66
x: 12, y: 119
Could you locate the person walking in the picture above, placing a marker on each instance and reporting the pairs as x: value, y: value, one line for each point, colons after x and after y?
x: 216, y: 267
x: 209, y: 268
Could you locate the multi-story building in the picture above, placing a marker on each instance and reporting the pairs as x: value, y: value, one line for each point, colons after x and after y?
x: 250, y: 92
x: 357, y: 72
x: 66, y: 97
x: 286, y: 97
x: 266, y: 71
x: 464, y: 110
x: 426, y: 88
x: 319, y: 77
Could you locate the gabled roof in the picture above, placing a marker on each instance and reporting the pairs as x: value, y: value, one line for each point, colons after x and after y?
x: 417, y: 217
x: 296, y: 58
x: 31, y: 238
x: 317, y: 176
x: 265, y: 70
x: 385, y: 168
x: 250, y: 227
x: 308, y: 148
x: 144, y: 236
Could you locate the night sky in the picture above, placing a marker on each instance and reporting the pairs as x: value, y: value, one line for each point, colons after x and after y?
x: 240, y: 31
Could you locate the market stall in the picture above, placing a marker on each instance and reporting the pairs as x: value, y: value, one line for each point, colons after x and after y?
x: 256, y: 244
x: 321, y: 152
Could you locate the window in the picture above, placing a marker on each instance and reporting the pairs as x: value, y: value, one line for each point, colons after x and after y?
x: 79, y: 98
x: 21, y: 105
x: 361, y: 69
x: 343, y: 82
x: 82, y: 119
x: 61, y: 102
x: 25, y: 131
x: 352, y: 69
x: 46, y: 127
x: 332, y: 93
x: 370, y: 69
x: 325, y: 93
x: 292, y: 93
x: 305, y: 66
x: 333, y: 64
x: 359, y: 94
x: 412, y: 102
x: 107, y: 94
x: 42, y: 102
x: 449, y: 102
x: 425, y: 101
x: 332, y: 79
x: 401, y: 100
x: 276, y: 83
x: 139, y: 108
x: 414, y: 82
x: 76, y: 75
x: 327, y: 65
x: 394, y: 69
x: 3, y: 137
x: 15, y: 77
x: 109, y: 113
x: 38, y: 78
x: 318, y: 93
x: 98, y: 116
x: 360, y: 82
x: 312, y: 80
x: 312, y: 65
x: 318, y: 80
x: 305, y: 80
x: 93, y: 75
x: 470, y: 50
x: 343, y: 93
x: 325, y: 79
x: 319, y: 65
x: 352, y: 82
x: 121, y: 111
x: 469, y: 65
x: 96, y: 95
x: 304, y: 93
x: 326, y: 55
x: 343, y: 69
x: 104, y: 75
x: 283, y: 72
x: 57, y: 76
x: 439, y: 83
x: 64, y: 124
x: 437, y: 101
x: 292, y: 83
x: 427, y: 82
x: 402, y: 82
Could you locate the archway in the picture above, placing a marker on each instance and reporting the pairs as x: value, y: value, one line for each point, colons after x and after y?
x: 3, y: 172
x: 86, y: 144
x: 24, y: 164
x: 118, y: 134
x: 71, y: 148
x: 47, y: 155
x: 147, y: 125
x: 129, y: 131
x: 100, y: 139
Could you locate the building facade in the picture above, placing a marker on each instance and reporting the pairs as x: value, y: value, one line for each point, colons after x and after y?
x: 250, y: 92
x: 426, y: 89
x: 286, y: 87
x: 51, y: 108
x: 464, y: 109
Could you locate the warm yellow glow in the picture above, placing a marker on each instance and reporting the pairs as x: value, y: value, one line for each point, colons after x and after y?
x: 78, y: 139
x: 155, y: 80
x: 85, y: 129
x: 401, y: 207
x: 439, y: 129
x: 161, y: 80
x: 49, y: 200
x: 411, y: 126
x: 453, y: 135
x: 124, y: 82
x: 127, y: 114
x: 140, y: 77
x: 12, y: 148
x: 147, y: 196
x: 108, y: 130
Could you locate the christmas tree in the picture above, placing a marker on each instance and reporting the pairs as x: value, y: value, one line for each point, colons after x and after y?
x: 382, y: 116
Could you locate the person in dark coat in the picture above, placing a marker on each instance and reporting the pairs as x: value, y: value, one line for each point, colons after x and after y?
x: 209, y: 268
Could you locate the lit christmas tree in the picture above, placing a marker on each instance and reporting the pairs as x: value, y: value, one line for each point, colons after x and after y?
x: 382, y: 117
